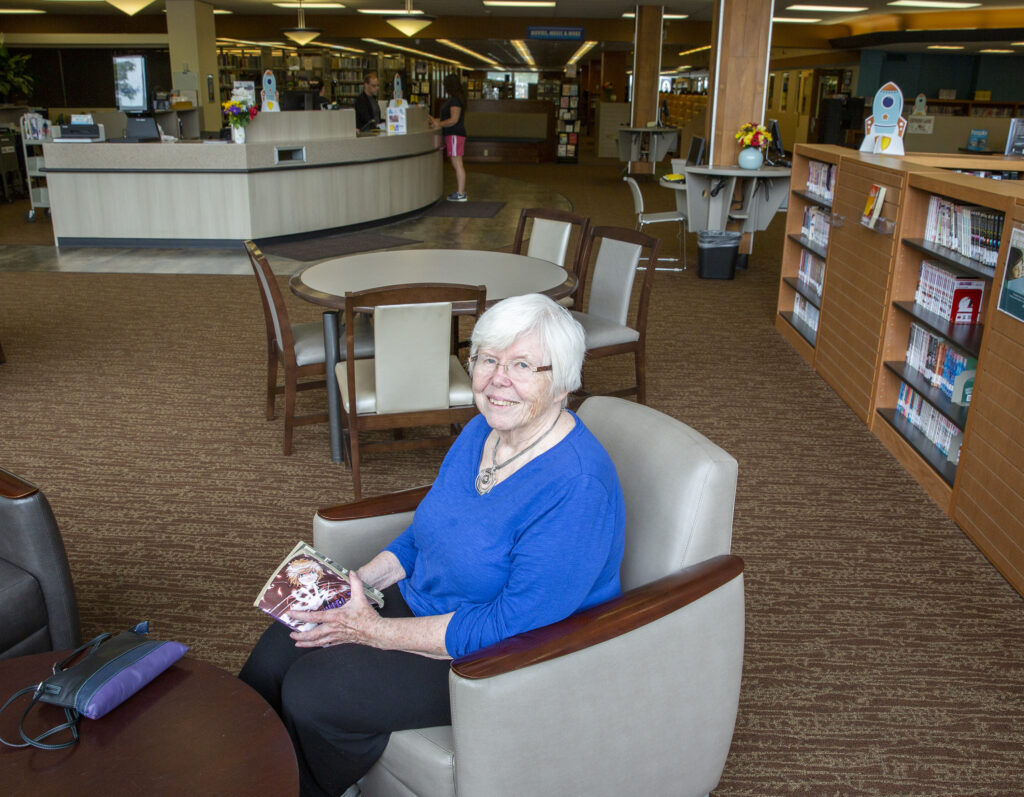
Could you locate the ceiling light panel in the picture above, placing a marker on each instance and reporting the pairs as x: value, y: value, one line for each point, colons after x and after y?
x: 828, y: 9
x: 931, y: 4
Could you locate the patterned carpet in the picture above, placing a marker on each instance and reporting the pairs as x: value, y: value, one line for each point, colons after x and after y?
x: 883, y: 652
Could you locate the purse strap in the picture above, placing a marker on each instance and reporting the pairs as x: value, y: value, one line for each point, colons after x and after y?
x: 37, y: 690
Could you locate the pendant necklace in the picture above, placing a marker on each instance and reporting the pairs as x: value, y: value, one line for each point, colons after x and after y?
x: 485, y: 478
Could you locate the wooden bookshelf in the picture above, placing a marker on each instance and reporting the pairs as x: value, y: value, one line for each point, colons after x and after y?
x: 866, y: 311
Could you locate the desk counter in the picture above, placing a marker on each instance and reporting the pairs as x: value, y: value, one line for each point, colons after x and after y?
x: 296, y: 175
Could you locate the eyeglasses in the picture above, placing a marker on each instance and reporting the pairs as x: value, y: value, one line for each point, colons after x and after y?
x: 517, y: 370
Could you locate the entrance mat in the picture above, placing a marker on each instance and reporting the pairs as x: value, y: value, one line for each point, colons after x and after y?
x: 336, y: 245
x: 466, y: 210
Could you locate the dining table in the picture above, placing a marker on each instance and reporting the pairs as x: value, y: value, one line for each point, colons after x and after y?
x: 504, y: 274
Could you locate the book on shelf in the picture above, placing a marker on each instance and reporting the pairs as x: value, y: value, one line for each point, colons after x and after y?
x: 972, y: 231
x: 307, y: 581
x: 816, y: 225
x: 955, y: 298
x: 805, y: 311
x: 936, y: 427
x: 941, y: 365
x: 873, y: 206
x: 811, y: 272
x: 820, y: 179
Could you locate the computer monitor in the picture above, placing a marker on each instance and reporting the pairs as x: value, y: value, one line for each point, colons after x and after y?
x: 775, y: 149
x: 695, y: 157
x: 141, y: 128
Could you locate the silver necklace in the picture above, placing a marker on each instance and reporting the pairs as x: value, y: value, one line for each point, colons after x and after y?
x: 485, y: 478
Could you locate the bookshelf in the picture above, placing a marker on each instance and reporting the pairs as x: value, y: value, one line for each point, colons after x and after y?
x: 568, y: 122
x: 811, y: 193
x: 876, y: 340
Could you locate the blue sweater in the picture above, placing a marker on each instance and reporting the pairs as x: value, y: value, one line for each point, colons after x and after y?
x: 541, y: 545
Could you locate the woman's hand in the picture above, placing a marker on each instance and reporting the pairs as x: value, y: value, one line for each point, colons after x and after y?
x: 356, y: 621
x: 433, y: 123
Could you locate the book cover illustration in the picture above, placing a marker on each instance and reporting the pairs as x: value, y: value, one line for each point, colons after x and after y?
x: 307, y: 581
x: 978, y: 139
x: 873, y: 207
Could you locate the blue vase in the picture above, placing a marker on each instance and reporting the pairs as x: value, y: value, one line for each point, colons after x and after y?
x: 750, y: 158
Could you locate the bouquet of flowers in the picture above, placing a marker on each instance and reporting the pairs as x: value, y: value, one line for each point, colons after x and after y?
x: 754, y: 135
x: 239, y: 112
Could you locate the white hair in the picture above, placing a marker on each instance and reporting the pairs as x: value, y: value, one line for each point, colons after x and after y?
x: 560, y: 334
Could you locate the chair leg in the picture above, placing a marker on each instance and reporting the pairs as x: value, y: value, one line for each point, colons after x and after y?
x: 641, y: 376
x: 290, y: 380
x: 271, y: 379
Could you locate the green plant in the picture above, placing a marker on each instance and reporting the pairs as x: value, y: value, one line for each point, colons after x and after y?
x: 13, y: 77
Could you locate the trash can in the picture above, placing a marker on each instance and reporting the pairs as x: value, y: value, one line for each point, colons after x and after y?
x: 716, y: 254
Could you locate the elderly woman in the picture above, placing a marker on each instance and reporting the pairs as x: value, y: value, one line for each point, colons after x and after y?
x: 523, y: 527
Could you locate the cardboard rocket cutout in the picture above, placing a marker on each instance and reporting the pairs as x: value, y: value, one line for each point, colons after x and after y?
x: 883, y: 130
x: 396, y: 110
x: 270, y: 102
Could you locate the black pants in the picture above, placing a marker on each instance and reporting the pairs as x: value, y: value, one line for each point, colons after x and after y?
x: 341, y: 703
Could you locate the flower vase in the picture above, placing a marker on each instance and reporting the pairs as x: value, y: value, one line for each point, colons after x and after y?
x: 238, y: 134
x: 750, y: 158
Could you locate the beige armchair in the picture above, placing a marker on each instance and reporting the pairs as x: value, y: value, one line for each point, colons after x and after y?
x: 634, y: 696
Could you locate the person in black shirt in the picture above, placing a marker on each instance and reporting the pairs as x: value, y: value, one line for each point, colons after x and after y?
x: 321, y: 101
x: 367, y: 107
x: 452, y: 124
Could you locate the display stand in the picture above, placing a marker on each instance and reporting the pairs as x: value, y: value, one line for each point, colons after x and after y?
x: 568, y: 122
x: 35, y: 132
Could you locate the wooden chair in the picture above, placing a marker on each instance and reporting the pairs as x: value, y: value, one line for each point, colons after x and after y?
x: 606, y: 321
x: 299, y: 347
x: 413, y: 378
x: 550, y: 235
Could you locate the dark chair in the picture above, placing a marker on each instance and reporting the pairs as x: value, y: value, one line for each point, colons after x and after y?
x: 607, y: 324
x: 38, y: 610
x: 299, y: 347
x: 549, y: 239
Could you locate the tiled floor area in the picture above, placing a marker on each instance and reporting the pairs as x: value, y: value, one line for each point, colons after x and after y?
x: 432, y: 232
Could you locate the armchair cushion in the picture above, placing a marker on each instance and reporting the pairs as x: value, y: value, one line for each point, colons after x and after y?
x: 23, y: 629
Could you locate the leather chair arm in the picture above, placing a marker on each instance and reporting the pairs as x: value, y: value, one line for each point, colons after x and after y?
x: 388, y: 504
x: 600, y: 623
x: 13, y: 488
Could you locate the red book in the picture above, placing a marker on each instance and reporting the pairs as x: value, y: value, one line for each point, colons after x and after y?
x: 967, y: 296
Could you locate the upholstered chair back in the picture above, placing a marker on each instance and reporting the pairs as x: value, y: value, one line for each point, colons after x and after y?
x: 549, y: 240
x: 612, y: 282
x: 413, y: 350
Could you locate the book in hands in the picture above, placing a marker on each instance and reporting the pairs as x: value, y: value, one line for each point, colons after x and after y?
x: 308, y: 581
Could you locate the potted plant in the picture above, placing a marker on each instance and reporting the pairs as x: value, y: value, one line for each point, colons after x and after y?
x: 14, y: 80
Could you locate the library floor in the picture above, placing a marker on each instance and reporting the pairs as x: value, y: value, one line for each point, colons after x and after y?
x: 882, y: 653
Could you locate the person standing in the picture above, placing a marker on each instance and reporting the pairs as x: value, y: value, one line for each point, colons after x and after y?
x: 452, y: 124
x: 366, y: 105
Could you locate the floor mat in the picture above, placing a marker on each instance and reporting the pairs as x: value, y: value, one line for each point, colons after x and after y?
x: 466, y: 210
x: 336, y: 245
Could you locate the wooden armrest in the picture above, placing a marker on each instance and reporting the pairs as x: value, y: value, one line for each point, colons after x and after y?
x: 389, y: 504
x: 14, y: 488
x: 615, y: 617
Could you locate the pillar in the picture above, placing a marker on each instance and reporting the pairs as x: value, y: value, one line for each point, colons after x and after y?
x: 192, y: 37
x: 741, y: 33
x: 646, y: 73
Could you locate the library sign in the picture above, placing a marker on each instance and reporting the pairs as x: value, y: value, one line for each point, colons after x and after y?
x: 1011, y: 293
x: 555, y: 34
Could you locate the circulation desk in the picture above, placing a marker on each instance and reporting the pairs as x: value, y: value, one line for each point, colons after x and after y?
x: 298, y: 172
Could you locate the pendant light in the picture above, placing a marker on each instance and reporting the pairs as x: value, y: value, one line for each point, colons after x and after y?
x: 302, y: 35
x: 129, y: 7
x: 410, y: 23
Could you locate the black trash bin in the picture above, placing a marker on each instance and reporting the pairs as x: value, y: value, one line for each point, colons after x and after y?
x: 716, y: 254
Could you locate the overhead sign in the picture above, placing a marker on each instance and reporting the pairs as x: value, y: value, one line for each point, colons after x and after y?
x: 555, y: 34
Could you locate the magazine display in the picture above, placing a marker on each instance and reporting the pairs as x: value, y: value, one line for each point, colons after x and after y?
x: 307, y: 581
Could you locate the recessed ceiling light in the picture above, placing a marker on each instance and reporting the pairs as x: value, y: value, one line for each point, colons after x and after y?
x: 666, y: 15
x: 387, y: 12
x: 932, y: 4
x: 216, y: 11
x: 808, y: 20
x: 524, y: 51
x: 308, y: 5
x: 696, y: 50
x: 945, y: 47
x: 21, y: 11
x: 380, y: 43
x: 520, y: 3
x: 583, y: 50
x: 827, y: 9
x: 995, y: 51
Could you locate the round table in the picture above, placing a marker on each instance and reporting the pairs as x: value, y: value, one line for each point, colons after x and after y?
x: 504, y: 274
x: 195, y: 729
